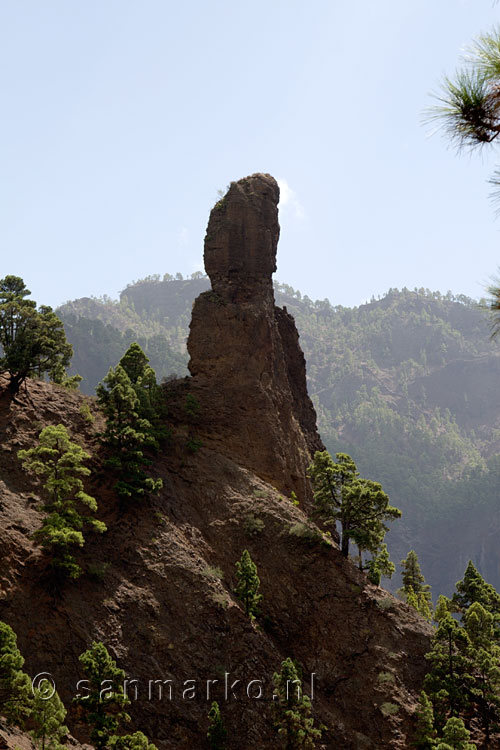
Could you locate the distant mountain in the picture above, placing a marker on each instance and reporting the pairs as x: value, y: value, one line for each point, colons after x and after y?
x: 407, y: 384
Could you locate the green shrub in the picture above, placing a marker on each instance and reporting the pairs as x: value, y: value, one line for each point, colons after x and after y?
x: 385, y: 604
x: 213, y: 572
x: 86, y: 413
x: 220, y: 599
x: 389, y: 709
x: 97, y: 571
x: 253, y: 525
x: 260, y: 493
x: 191, y: 406
x: 306, y: 533
x: 193, y: 444
x: 247, y: 588
x: 386, y: 678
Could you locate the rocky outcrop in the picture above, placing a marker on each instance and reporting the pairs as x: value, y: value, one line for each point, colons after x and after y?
x: 246, y: 360
x: 158, y: 587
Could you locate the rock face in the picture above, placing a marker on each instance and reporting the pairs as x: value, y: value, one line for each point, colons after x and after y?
x: 242, y: 239
x: 245, y: 355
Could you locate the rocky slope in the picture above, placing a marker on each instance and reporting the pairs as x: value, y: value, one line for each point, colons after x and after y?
x: 158, y: 586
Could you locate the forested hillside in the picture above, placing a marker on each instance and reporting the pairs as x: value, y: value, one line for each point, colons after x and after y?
x: 406, y: 384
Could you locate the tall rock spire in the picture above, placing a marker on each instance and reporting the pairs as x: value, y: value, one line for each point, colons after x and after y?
x: 242, y: 239
x: 245, y: 353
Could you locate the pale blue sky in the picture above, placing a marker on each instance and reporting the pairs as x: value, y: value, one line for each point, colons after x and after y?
x: 120, y: 120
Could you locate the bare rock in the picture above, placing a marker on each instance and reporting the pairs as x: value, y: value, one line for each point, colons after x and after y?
x: 242, y: 238
x: 246, y: 360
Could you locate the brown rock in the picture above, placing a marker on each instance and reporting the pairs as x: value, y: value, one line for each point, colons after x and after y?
x: 246, y: 361
x: 241, y: 240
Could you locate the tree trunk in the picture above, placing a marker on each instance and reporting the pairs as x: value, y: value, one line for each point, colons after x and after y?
x: 344, y: 546
x: 15, y: 383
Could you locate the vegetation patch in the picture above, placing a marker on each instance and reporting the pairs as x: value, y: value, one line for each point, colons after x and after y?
x: 193, y: 444
x: 385, y: 604
x: 306, y: 533
x: 86, y: 413
x: 191, y: 406
x: 386, y: 678
x: 220, y: 599
x: 253, y: 526
x: 213, y: 573
x: 260, y: 493
x: 216, y: 298
x: 97, y: 571
x: 389, y: 709
x: 161, y: 518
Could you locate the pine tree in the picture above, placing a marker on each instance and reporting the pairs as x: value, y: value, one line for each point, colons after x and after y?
x: 26, y: 706
x: 455, y: 736
x: 60, y: 463
x: 135, y: 741
x: 32, y: 341
x: 248, y: 584
x: 412, y: 577
x: 425, y: 733
x: 15, y: 686
x: 134, y: 362
x: 411, y: 598
x: 369, y: 539
x: 217, y: 733
x: 478, y: 623
x: 359, y: 505
x: 468, y: 104
x: 485, y: 688
x: 151, y: 406
x: 105, y: 702
x: 465, y: 662
x: 292, y: 708
x: 424, y: 607
x: 380, y: 565
x: 419, y: 602
x: 484, y: 657
x: 473, y: 588
x: 59, y: 376
x: 53, y: 354
x: 47, y: 716
x: 329, y: 480
x: 443, y: 608
x: 127, y: 435
x: 120, y: 405
x: 449, y: 679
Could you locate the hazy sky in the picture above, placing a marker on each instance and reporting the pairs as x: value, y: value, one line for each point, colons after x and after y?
x: 120, y: 120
